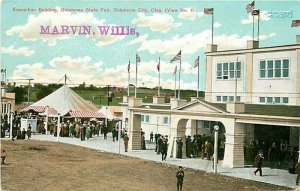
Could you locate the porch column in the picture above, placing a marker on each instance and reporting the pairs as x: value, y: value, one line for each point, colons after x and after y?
x: 193, y: 127
x: 178, y: 128
x: 234, y: 145
x: 134, y: 131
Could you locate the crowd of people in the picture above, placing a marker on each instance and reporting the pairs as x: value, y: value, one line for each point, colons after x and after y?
x: 276, y: 154
x: 198, y: 146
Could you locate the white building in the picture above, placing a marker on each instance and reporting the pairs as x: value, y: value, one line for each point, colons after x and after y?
x: 266, y: 84
x: 268, y: 75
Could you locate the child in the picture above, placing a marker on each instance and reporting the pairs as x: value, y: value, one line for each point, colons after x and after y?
x: 3, y: 155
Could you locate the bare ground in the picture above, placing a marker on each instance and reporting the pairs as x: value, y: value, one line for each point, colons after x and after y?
x: 39, y: 165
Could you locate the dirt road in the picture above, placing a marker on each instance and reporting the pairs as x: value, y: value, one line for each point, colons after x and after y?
x: 36, y: 165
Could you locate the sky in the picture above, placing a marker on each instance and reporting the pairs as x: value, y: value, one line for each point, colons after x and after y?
x: 101, y: 59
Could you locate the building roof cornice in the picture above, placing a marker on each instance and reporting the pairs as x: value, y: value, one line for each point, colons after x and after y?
x: 255, y: 50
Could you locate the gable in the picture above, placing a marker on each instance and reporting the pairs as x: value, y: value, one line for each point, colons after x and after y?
x: 200, y: 107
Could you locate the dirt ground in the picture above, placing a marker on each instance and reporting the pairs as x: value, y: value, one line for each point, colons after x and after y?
x: 36, y: 165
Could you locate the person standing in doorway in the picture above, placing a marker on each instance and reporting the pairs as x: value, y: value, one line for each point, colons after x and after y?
x: 151, y: 137
x: 180, y: 177
x: 29, y: 131
x: 126, y: 139
x: 297, y: 169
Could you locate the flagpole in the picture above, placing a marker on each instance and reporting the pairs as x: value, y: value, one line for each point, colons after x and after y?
x: 158, y: 89
x: 136, y: 68
x: 235, y: 88
x: 258, y: 26
x: 128, y: 94
x: 212, y: 28
x: 179, y: 77
x: 175, y: 85
x: 198, y: 79
x: 252, y: 27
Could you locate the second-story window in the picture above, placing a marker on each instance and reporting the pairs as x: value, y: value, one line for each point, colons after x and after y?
x: 229, y: 70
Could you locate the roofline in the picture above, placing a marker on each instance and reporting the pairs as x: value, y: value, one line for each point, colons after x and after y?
x: 150, y: 104
x: 202, y: 102
x: 255, y: 50
x: 236, y: 116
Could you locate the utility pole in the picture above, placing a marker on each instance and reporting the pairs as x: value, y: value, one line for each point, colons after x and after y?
x: 107, y: 95
x: 29, y: 83
x: 29, y: 80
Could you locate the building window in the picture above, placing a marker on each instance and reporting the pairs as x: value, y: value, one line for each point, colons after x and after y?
x: 142, y: 118
x: 219, y: 98
x: 166, y: 120
x: 285, y: 67
x: 238, y: 69
x: 231, y: 69
x: 269, y: 99
x: 219, y: 71
x: 224, y: 98
x: 228, y: 70
x: 231, y: 98
x: 270, y: 68
x: 262, y: 68
x: 262, y: 100
x: 277, y: 99
x: 274, y: 68
x: 277, y: 68
x: 285, y: 100
x: 225, y: 70
x: 147, y: 119
x: 238, y: 98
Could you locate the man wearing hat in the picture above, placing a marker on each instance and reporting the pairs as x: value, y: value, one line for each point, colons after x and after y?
x: 180, y: 177
x: 258, y: 163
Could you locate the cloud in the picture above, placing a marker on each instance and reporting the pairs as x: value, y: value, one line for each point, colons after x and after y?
x: 79, y: 70
x: 76, y: 65
x: 192, y: 43
x: 190, y: 15
x: 217, y: 25
x: 157, y: 22
x: 31, y: 30
x: 188, y: 43
x: 22, y: 51
x: 264, y: 16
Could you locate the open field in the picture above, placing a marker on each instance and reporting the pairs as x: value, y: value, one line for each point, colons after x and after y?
x: 36, y: 165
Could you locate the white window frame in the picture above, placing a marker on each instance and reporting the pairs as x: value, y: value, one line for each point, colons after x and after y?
x: 225, y: 74
x: 267, y: 70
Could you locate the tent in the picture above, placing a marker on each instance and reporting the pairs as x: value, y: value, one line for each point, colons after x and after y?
x: 63, y: 101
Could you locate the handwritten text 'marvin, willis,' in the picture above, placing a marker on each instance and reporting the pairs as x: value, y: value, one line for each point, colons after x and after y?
x: 87, y: 30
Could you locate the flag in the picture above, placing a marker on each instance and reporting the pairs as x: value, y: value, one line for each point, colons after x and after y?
x: 177, y: 57
x: 250, y: 7
x: 196, y: 62
x: 208, y: 11
x: 138, y: 59
x: 295, y: 23
x: 128, y: 67
x: 158, y: 65
x: 175, y: 71
x: 255, y: 12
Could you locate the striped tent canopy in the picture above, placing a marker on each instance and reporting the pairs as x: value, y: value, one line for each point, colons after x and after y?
x: 63, y: 100
x: 85, y: 114
x: 41, y: 109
